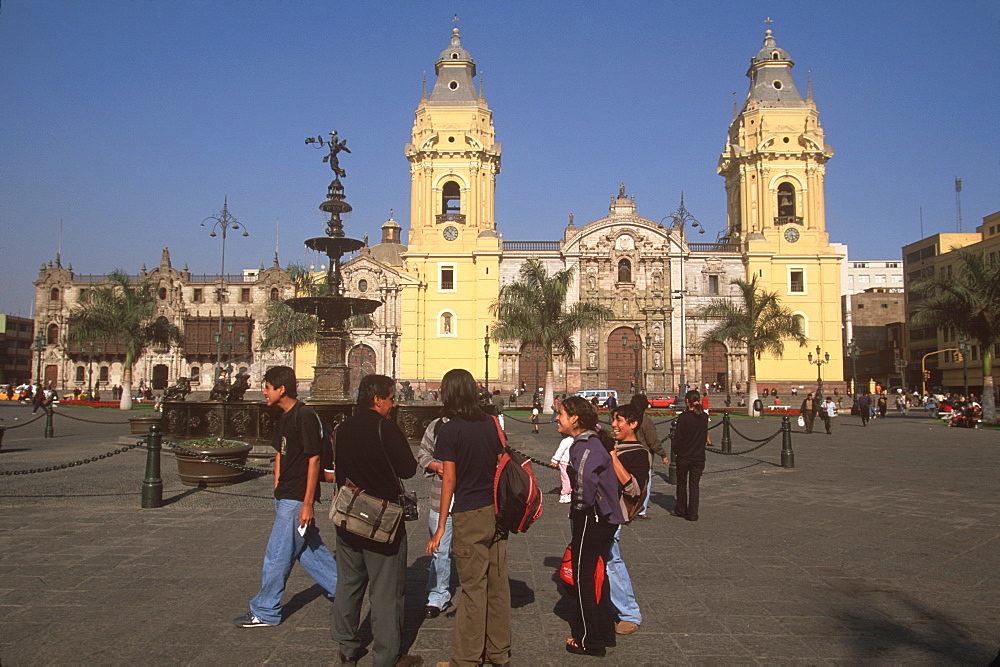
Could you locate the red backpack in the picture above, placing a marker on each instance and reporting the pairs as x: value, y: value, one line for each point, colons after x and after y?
x: 517, y: 500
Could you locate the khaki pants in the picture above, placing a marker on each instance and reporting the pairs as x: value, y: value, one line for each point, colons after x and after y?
x: 482, y: 622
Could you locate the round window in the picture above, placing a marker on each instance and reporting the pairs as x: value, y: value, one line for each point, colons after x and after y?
x: 777, y: 85
x: 451, y: 140
x: 362, y: 285
x: 453, y: 85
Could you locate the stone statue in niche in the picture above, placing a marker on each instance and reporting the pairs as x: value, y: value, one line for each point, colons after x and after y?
x: 657, y: 280
x: 657, y: 360
x: 657, y: 337
x: 592, y: 281
x: 592, y: 359
x: 592, y: 338
x: 625, y: 307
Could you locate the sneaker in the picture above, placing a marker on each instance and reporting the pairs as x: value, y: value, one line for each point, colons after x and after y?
x: 626, y: 627
x: 248, y: 620
x: 408, y: 659
x: 565, y: 498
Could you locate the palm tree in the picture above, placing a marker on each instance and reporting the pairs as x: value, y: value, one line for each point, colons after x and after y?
x: 121, y: 312
x: 970, y: 302
x: 533, y: 310
x: 756, y: 320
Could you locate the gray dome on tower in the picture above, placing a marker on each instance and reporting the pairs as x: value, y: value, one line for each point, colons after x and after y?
x: 456, y: 71
x: 771, y: 80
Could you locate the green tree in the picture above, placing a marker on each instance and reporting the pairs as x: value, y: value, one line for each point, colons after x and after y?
x: 756, y: 320
x: 533, y: 310
x: 970, y: 302
x: 124, y: 313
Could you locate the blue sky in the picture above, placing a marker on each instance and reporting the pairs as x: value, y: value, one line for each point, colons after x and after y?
x: 131, y: 121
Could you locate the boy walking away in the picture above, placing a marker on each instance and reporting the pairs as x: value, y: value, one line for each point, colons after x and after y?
x: 536, y: 409
x: 688, y: 447
x: 632, y: 464
x: 294, y: 536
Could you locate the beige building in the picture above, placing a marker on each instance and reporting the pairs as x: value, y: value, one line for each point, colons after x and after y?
x: 933, y: 256
x: 192, y: 302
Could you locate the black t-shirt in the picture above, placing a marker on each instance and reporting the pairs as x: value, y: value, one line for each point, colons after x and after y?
x: 473, y: 447
x: 691, y: 436
x: 296, y: 437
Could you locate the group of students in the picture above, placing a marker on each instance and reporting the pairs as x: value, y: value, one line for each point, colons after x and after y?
x: 609, y: 480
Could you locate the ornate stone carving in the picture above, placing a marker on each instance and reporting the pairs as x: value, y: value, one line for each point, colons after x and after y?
x: 214, y: 420
x: 240, y: 422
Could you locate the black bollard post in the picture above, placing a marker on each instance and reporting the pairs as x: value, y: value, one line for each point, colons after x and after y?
x: 3, y: 429
x: 152, y: 485
x: 727, y: 439
x: 49, y: 433
x: 787, y: 457
x: 672, y: 466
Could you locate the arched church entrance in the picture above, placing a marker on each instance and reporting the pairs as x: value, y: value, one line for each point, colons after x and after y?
x: 160, y: 376
x: 715, y: 366
x: 621, y: 362
x: 531, y: 367
x: 360, y: 362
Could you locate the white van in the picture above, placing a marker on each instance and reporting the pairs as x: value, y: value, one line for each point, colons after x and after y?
x: 601, y: 394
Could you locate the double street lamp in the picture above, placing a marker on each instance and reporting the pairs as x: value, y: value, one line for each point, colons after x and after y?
x: 964, y: 347
x: 680, y: 294
x: 819, y: 361
x: 39, y: 346
x: 486, y: 350
x: 223, y: 222
x: 854, y: 352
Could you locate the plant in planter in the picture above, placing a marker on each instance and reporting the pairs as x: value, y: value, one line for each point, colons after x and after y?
x: 196, y: 470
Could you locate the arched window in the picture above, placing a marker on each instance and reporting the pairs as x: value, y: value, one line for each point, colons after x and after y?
x: 163, y: 294
x: 451, y: 198
x: 274, y: 294
x: 102, y: 375
x: 195, y: 371
x: 446, y: 323
x: 79, y: 373
x: 52, y: 334
x: 800, y: 323
x: 54, y: 294
x: 786, y: 200
x: 624, y: 271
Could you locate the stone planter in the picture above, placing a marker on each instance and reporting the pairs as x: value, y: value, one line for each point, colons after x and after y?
x: 196, y: 471
x: 140, y: 425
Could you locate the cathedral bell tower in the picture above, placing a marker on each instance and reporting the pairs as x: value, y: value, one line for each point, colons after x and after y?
x: 774, y: 164
x: 453, y: 245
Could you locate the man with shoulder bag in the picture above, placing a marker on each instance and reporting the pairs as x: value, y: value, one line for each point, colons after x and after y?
x: 372, y: 454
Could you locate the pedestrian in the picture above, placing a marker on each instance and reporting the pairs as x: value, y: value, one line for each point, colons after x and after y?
x: 688, y: 449
x: 828, y: 410
x: 807, y: 412
x: 372, y: 454
x: 883, y: 405
x: 469, y: 447
x: 646, y: 434
x: 612, y: 402
x: 561, y: 459
x: 294, y: 536
x: 555, y: 408
x: 498, y: 406
x: 632, y: 467
x: 38, y: 400
x: 595, y: 515
x: 439, y: 576
x: 536, y: 408
x: 704, y: 403
x: 864, y: 408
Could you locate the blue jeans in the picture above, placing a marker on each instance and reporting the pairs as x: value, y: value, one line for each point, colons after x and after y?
x: 284, y: 547
x: 620, y: 585
x: 649, y: 493
x: 439, y: 575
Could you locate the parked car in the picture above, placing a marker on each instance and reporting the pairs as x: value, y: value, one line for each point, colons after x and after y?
x: 661, y: 401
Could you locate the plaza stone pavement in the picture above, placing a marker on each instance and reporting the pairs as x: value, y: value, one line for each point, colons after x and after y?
x: 880, y: 547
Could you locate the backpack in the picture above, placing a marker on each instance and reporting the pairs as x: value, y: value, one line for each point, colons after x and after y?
x: 517, y: 500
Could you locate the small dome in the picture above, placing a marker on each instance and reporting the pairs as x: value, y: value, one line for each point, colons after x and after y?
x: 770, y: 52
x: 455, y: 50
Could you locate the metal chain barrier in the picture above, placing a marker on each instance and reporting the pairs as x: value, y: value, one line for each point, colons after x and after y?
x: 32, y: 421
x: 206, y: 457
x: 81, y: 462
x: 89, y: 421
x: 745, y: 451
x: 765, y: 440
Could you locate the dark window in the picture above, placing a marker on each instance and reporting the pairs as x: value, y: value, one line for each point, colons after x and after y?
x: 713, y: 284
x: 245, y: 295
x: 195, y: 370
x: 797, y: 281
x: 54, y: 294
x: 451, y: 198
x: 79, y: 373
x: 52, y: 334
x: 362, y: 285
x: 199, y: 295
x: 102, y: 376
x: 163, y: 294
x: 274, y: 294
x: 624, y: 271
x: 447, y: 277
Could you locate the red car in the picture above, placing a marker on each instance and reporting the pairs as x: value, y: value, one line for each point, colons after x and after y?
x: 661, y: 401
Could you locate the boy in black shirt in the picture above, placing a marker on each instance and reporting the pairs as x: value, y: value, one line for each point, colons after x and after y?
x: 688, y: 449
x: 294, y: 535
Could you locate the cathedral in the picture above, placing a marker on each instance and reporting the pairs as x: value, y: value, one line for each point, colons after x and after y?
x: 438, y: 286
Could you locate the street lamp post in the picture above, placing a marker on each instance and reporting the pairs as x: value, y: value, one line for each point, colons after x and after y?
x: 964, y: 346
x: 486, y: 350
x: 392, y: 347
x: 39, y: 346
x: 819, y: 361
x: 680, y: 294
x: 854, y: 352
x: 223, y: 222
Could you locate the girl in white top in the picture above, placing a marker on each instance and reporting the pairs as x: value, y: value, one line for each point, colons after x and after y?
x: 561, y: 459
